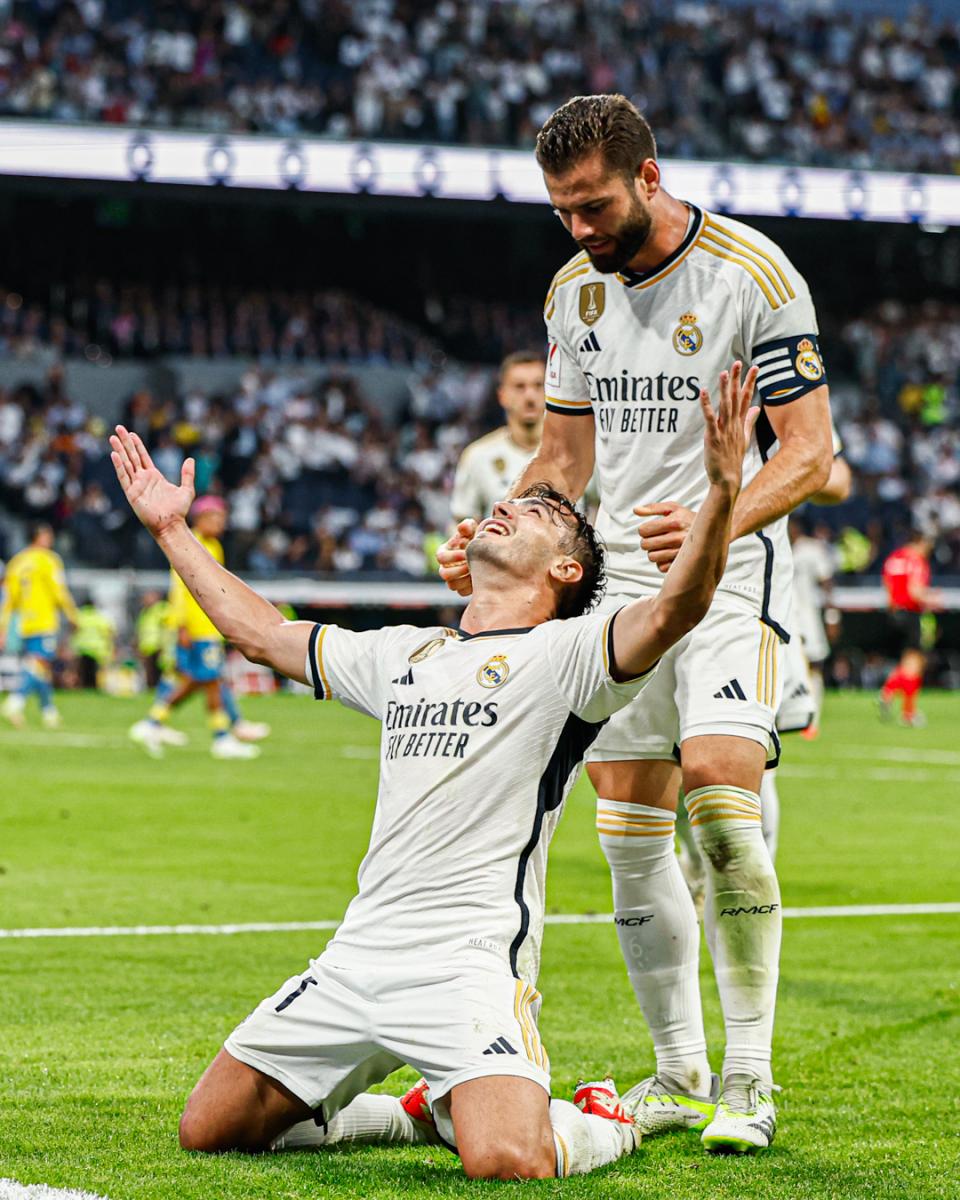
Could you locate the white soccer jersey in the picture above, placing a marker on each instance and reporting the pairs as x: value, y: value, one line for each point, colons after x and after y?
x: 487, y: 470
x: 634, y: 350
x: 482, y: 738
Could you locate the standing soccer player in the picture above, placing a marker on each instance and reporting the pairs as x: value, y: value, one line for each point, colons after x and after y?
x: 36, y: 593
x: 483, y: 732
x: 490, y: 466
x: 906, y: 576
x: 660, y: 296
x: 199, y: 657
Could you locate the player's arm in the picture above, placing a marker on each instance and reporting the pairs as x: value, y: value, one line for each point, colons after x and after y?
x: 565, y: 460
x: 645, y: 629
x: 62, y: 594
x: 837, y: 487
x: 244, y: 618
x: 799, y: 469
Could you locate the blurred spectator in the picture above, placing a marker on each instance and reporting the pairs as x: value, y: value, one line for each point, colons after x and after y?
x: 320, y: 479
x: 802, y: 82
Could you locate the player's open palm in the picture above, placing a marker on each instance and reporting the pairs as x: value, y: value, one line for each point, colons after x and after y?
x: 727, y: 430
x: 156, y: 501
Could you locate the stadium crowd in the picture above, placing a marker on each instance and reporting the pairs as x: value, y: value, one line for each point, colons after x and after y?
x: 764, y: 82
x: 105, y: 321
x: 321, y: 479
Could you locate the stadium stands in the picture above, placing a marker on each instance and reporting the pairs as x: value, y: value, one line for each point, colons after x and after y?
x: 789, y: 83
x: 322, y: 479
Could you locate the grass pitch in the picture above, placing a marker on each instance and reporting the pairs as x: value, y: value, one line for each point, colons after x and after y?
x: 101, y: 1038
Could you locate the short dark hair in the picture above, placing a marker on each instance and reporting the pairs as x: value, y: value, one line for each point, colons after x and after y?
x: 610, y: 124
x: 519, y: 358
x: 581, y: 543
x: 35, y: 528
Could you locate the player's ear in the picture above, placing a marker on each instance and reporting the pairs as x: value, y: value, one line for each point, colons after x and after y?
x: 648, y: 178
x: 566, y: 571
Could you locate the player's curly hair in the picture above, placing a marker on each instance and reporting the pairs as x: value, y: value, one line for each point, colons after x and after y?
x: 583, y: 544
x: 610, y: 124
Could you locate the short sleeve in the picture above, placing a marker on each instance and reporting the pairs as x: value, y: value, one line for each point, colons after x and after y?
x: 580, y: 654
x: 565, y: 385
x: 351, y: 667
x: 780, y: 330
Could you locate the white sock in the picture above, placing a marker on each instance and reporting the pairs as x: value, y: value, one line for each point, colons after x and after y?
x: 770, y: 811
x: 742, y: 920
x: 367, y: 1118
x: 816, y: 690
x: 659, y: 935
x: 585, y: 1142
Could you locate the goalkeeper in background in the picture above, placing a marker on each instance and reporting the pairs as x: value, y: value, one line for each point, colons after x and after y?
x: 35, y: 594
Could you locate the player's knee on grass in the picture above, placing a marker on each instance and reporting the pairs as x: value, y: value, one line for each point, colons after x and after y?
x: 518, y: 1157
x: 234, y: 1107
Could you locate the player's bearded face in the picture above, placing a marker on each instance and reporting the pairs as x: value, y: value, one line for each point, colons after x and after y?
x: 626, y: 238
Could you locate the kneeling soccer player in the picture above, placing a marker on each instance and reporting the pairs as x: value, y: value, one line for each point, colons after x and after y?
x: 483, y: 735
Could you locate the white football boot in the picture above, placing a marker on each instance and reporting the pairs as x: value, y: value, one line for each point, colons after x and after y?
x: 12, y: 710
x: 659, y: 1105
x: 227, y: 746
x: 745, y: 1120
x: 50, y: 718
x: 148, y: 735
x: 250, y: 731
x: 600, y: 1099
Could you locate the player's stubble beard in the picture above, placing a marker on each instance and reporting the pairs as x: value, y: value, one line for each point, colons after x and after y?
x: 630, y: 238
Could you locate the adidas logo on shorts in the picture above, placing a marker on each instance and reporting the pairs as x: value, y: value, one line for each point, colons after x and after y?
x: 500, y: 1046
x: 730, y: 691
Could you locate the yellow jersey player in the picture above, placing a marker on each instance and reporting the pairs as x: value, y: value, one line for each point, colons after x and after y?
x: 35, y: 594
x: 199, y: 655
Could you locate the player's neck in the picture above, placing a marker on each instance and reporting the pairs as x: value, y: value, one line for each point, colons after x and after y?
x: 503, y: 604
x: 671, y: 218
x: 526, y: 437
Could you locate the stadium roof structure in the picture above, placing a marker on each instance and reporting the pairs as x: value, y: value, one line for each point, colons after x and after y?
x: 34, y: 149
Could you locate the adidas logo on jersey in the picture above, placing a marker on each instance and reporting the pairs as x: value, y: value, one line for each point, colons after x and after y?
x: 404, y: 680
x: 730, y: 691
x: 590, y: 345
x: 500, y: 1046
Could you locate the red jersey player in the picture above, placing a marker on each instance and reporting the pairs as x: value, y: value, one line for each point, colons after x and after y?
x: 906, y: 576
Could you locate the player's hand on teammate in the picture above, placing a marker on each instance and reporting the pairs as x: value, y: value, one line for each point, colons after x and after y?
x: 158, y: 503
x: 452, y: 558
x: 725, y: 441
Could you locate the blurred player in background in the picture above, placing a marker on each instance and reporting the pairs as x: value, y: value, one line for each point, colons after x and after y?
x: 660, y: 296
x: 199, y: 657
x: 35, y: 595
x: 94, y: 644
x: 490, y: 466
x: 906, y: 576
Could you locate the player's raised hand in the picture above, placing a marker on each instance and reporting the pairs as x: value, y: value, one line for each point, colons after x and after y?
x: 452, y: 558
x: 727, y: 431
x: 156, y: 501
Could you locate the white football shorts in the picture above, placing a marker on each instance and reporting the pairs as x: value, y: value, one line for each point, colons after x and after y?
x: 331, y: 1033
x: 797, y: 708
x: 724, y: 677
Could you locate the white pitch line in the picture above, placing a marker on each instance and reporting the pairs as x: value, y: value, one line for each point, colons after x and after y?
x: 79, y: 931
x: 11, y: 1190
x: 871, y: 774
x: 906, y: 754
x: 73, y: 741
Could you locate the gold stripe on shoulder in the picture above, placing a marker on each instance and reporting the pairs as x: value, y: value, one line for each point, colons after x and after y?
x: 757, y: 251
x: 716, y: 238
x: 747, y: 266
x: 578, y: 266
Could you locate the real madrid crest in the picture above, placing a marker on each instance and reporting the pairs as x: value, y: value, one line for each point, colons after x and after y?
x: 494, y: 671
x: 687, y: 338
x: 809, y: 364
x: 593, y: 299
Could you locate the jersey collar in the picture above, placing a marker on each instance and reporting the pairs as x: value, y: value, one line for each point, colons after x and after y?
x: 469, y: 637
x: 645, y: 278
